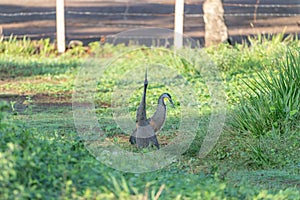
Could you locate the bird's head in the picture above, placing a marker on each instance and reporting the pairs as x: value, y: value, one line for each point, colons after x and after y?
x: 164, y: 97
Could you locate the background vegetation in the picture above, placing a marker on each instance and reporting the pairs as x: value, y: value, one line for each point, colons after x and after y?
x: 257, y: 156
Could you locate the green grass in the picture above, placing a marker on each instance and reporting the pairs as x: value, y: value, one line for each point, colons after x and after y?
x: 43, y: 157
x: 274, y: 101
x: 271, y: 114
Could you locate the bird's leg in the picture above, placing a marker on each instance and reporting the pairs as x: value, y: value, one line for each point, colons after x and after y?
x: 142, y: 142
x: 132, y: 139
x: 154, y: 141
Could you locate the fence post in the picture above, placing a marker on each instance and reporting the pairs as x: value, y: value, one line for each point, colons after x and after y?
x: 60, y: 26
x: 178, y: 23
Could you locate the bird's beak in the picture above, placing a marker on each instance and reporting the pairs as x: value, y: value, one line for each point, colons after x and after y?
x: 172, y: 104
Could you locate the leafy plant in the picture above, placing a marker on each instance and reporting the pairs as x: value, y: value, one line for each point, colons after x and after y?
x: 269, y: 118
x: 274, y: 99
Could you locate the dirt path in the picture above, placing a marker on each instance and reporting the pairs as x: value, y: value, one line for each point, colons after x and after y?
x: 88, y: 20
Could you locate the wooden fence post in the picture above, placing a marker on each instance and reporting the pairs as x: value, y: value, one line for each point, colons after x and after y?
x: 178, y: 23
x: 60, y: 26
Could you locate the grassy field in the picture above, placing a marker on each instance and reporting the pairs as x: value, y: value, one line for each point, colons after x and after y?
x: 256, y: 157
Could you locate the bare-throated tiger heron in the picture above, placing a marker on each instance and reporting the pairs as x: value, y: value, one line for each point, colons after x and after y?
x: 146, y: 129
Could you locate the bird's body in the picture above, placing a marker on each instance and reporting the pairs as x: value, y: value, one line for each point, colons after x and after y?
x: 158, y: 119
x: 146, y: 129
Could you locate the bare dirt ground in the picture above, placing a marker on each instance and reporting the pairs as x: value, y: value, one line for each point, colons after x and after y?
x: 88, y: 20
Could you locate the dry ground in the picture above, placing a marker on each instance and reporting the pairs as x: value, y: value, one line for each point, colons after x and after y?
x: 90, y: 27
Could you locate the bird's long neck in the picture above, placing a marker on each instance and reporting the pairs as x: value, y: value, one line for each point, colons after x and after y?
x: 161, y: 101
x: 141, y: 114
x: 143, y: 102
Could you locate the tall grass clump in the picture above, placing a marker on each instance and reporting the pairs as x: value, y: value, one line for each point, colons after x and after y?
x: 26, y: 47
x: 274, y: 98
x: 271, y: 114
x: 249, y: 56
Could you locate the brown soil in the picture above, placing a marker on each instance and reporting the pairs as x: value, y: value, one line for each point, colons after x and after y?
x: 92, y: 27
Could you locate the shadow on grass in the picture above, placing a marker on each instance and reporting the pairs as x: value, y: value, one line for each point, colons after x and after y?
x: 13, y: 69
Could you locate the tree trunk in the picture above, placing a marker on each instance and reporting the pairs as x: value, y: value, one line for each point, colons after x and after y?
x: 215, y: 27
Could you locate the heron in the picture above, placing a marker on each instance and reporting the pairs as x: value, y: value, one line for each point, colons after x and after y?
x: 147, y: 128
